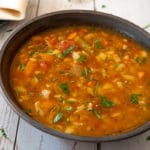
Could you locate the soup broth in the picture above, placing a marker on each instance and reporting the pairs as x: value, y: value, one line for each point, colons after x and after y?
x: 83, y: 80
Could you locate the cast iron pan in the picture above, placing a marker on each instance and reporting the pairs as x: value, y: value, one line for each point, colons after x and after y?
x: 53, y: 20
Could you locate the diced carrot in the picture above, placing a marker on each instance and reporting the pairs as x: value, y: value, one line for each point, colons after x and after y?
x: 84, y: 30
x: 72, y: 36
x: 44, y: 65
x: 141, y: 75
x: 47, y: 57
x: 54, y: 40
x: 68, y: 60
x: 30, y: 67
x: 46, y: 106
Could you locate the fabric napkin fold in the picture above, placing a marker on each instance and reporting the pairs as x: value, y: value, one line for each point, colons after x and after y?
x: 13, y: 9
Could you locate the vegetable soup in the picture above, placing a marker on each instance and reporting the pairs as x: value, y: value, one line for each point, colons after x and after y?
x: 83, y: 80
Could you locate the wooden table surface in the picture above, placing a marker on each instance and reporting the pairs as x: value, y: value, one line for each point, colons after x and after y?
x: 21, y: 135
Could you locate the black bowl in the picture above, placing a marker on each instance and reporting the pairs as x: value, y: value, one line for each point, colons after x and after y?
x: 53, y: 20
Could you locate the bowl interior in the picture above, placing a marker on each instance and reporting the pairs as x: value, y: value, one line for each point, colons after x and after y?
x: 59, y: 19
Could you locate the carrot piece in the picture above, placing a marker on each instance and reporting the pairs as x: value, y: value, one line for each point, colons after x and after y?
x: 30, y: 67
x: 46, y: 106
x: 47, y: 57
x: 141, y: 75
x: 72, y: 35
x: 84, y: 30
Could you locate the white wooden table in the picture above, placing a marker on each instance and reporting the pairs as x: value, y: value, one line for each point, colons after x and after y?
x: 23, y: 136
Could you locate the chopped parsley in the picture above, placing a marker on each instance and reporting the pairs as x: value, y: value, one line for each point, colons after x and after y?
x: 103, y: 6
x: 58, y: 117
x: 9, y: 30
x: 3, y: 132
x: 65, y: 88
x: 68, y: 108
x: 48, y: 51
x: 137, y: 59
x: 143, y: 61
x: 82, y: 58
x: 98, y: 44
x: 147, y: 26
x: 85, y: 72
x: 22, y: 67
x: 60, y: 98
x: 148, y: 138
x: 68, y: 51
x: 105, y: 102
x: 96, y: 113
x: 134, y: 98
x: 31, y: 53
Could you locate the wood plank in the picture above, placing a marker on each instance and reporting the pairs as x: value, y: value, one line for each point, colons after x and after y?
x: 9, y: 27
x: 136, y: 143
x: 39, y: 140
x: 137, y: 12
x: 64, y: 5
x: 8, y: 121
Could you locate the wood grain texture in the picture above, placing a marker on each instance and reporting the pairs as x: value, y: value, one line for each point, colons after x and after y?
x: 136, y: 143
x: 8, y: 121
x: 33, y: 139
x: 64, y: 5
x: 136, y: 11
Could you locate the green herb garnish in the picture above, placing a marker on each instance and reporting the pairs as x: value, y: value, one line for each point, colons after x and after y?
x: 60, y: 98
x: 85, y: 72
x: 65, y: 89
x: 82, y: 58
x: 9, y: 30
x: 143, y: 61
x: 58, y: 117
x: 3, y: 132
x: 68, y: 51
x: 147, y: 26
x: 31, y: 53
x: 148, y: 138
x: 137, y: 59
x: 116, y: 65
x: 48, y: 51
x: 98, y: 44
x: 103, y: 6
x: 106, y: 103
x: 134, y: 98
x: 68, y: 108
x: 96, y: 113
x: 22, y: 67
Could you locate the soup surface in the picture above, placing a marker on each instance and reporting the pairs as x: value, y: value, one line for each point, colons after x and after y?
x: 83, y: 80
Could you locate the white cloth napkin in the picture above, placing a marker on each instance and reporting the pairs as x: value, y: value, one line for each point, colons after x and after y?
x: 13, y: 9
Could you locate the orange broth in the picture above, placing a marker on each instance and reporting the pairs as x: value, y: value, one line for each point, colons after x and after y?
x: 83, y: 80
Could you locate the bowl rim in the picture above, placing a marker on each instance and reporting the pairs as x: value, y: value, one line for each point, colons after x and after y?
x: 54, y: 132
